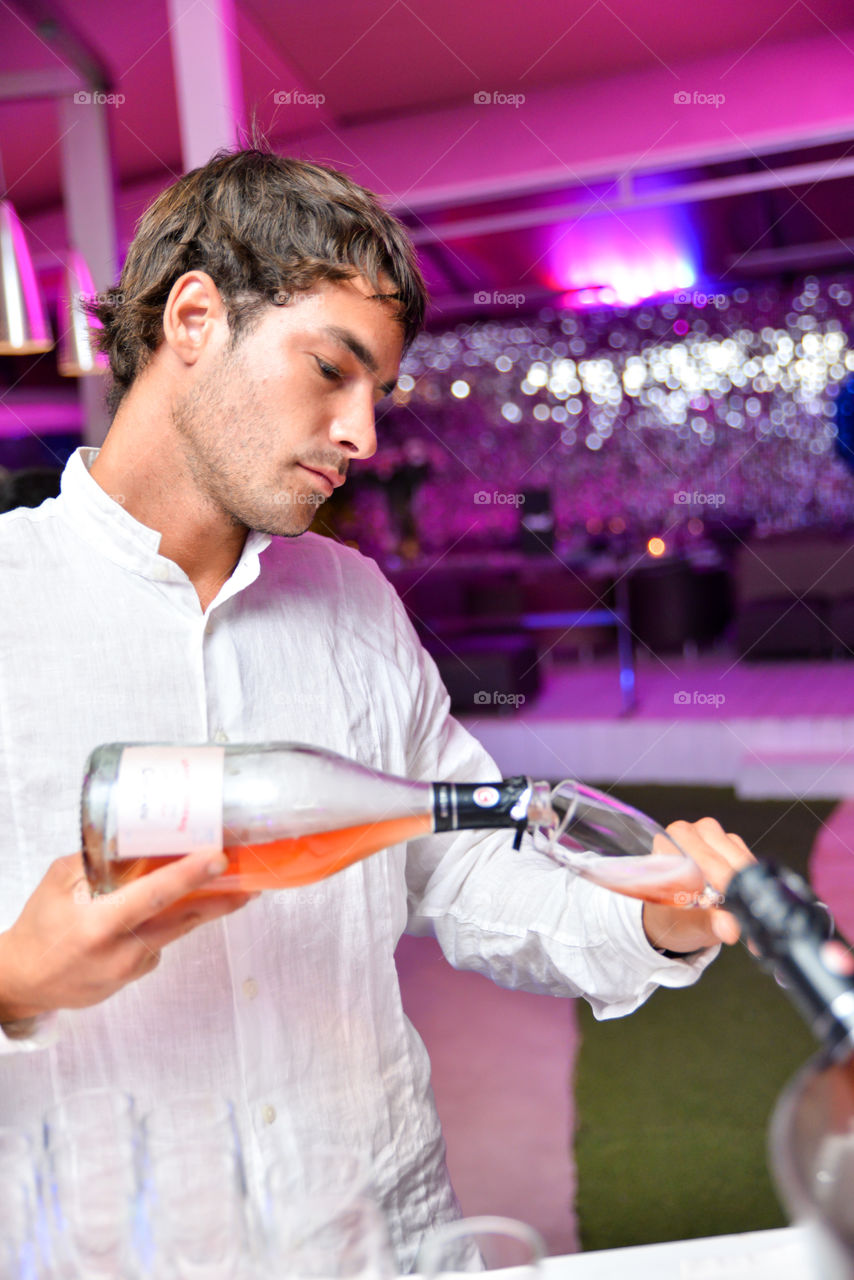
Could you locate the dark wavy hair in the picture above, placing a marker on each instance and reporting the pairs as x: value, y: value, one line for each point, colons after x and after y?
x: 264, y: 228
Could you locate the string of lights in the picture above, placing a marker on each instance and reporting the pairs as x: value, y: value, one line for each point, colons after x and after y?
x: 695, y: 407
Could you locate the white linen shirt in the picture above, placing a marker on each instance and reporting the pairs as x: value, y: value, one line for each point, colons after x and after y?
x: 290, y: 1006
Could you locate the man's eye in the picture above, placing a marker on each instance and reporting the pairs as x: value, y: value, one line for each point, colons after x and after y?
x: 328, y: 370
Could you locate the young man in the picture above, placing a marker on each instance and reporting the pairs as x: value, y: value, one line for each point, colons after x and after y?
x: 171, y: 593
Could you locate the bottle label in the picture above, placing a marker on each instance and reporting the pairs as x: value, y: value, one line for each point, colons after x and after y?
x: 169, y: 800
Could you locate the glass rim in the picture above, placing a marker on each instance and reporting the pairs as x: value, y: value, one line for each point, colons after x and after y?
x: 482, y: 1225
x: 63, y: 1118
x: 283, y: 1177
x: 219, y: 1107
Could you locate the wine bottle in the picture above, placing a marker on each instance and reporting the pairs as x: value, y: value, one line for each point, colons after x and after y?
x: 286, y: 814
x: 789, y: 931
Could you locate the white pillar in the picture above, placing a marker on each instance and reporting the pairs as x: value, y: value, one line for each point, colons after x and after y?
x: 89, y: 193
x: 205, y: 55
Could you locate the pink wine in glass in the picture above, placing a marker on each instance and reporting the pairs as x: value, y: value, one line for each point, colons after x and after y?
x: 668, y: 878
x: 620, y: 848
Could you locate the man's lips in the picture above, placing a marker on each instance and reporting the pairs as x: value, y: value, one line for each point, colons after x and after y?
x: 331, y: 478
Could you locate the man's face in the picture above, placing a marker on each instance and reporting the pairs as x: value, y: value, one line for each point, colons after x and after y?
x: 271, y: 424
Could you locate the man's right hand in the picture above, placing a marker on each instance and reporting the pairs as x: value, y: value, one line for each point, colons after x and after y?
x: 68, y: 950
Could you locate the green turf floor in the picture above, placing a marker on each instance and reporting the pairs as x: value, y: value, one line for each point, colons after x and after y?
x: 673, y: 1103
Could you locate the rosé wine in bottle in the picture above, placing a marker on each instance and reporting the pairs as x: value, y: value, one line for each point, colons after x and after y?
x: 285, y: 813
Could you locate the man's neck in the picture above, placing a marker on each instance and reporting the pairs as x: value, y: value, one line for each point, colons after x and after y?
x: 196, y: 536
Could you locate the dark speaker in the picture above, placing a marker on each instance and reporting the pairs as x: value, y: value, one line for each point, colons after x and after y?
x: 492, y: 675
x: 537, y: 522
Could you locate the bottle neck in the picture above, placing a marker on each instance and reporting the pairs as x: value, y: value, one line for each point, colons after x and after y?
x: 459, y: 805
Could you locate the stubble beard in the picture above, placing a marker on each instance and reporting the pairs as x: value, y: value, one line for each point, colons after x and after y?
x: 197, y: 420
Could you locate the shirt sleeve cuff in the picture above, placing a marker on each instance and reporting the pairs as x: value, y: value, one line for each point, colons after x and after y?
x: 29, y: 1034
x: 626, y: 922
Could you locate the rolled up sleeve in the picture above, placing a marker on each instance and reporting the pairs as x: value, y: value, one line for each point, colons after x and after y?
x: 514, y: 915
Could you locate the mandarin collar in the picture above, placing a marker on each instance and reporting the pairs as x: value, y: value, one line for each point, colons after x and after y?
x: 101, y: 519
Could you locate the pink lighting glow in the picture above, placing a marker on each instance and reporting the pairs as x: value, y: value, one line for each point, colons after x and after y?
x: 615, y: 259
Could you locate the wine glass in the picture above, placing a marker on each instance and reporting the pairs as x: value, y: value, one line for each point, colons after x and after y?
x: 18, y: 1159
x: 323, y: 1238
x: 20, y: 1203
x: 191, y: 1117
x: 91, y: 1205
x: 18, y: 1240
x: 91, y: 1183
x: 104, y: 1115
x: 485, y: 1243
x: 306, y: 1193
x: 195, y: 1197
x: 323, y: 1176
x: 620, y: 848
x: 197, y: 1212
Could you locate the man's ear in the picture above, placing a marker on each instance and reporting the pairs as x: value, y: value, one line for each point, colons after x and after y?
x: 194, y: 316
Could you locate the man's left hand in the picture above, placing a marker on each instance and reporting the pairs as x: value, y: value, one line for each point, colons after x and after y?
x: 718, y: 854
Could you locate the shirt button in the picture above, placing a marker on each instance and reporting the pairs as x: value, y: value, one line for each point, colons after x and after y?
x: 269, y: 1114
x: 220, y: 736
x: 250, y: 988
x: 161, y: 572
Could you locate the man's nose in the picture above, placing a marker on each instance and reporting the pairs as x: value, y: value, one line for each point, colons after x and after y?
x: 355, y: 430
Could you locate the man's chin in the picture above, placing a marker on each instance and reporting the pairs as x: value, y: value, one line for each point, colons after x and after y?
x: 290, y: 522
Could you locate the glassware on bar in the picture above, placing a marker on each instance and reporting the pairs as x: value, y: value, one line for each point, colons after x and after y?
x: 321, y: 1181
x: 196, y: 1212
x: 201, y: 1117
x: 19, y: 1252
x: 104, y: 1115
x: 321, y: 1237
x: 91, y: 1181
x: 91, y: 1201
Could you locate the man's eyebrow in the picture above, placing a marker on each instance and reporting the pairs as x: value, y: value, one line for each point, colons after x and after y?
x: 362, y: 353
